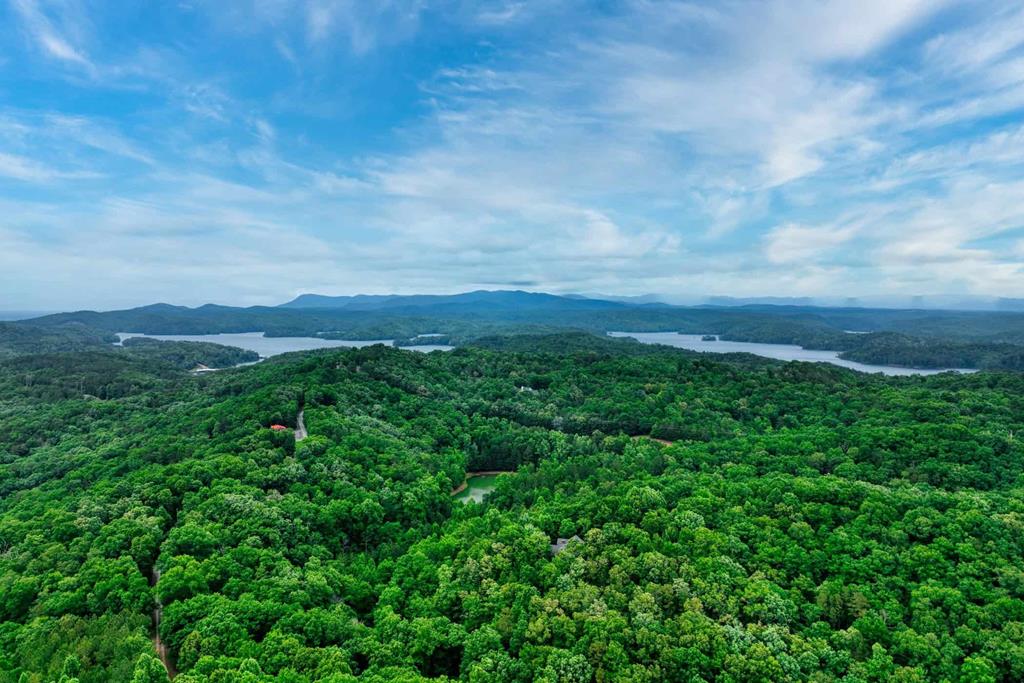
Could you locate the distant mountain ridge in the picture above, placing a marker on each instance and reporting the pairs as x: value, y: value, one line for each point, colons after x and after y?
x: 641, y: 299
x: 493, y: 298
x: 364, y: 316
x: 322, y: 301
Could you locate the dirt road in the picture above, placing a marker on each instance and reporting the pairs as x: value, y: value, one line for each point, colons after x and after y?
x: 161, y: 649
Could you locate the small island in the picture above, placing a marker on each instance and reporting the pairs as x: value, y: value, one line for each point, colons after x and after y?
x: 709, y: 337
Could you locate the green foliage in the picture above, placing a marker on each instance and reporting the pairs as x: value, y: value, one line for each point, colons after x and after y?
x: 889, y: 348
x: 186, y: 355
x: 149, y: 669
x: 806, y: 523
x: 19, y: 338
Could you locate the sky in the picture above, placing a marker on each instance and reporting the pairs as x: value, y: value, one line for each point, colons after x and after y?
x: 244, y: 151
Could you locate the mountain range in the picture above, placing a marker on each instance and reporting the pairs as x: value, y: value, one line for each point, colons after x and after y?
x: 502, y: 299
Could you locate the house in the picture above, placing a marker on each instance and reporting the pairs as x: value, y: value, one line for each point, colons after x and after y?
x: 562, y: 543
x: 278, y: 428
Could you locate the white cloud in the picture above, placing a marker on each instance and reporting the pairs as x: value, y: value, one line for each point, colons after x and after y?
x: 799, y: 243
x: 20, y: 168
x: 363, y: 24
x: 46, y: 35
x: 992, y: 41
x: 31, y: 170
x: 90, y: 133
x: 742, y: 147
x: 502, y: 13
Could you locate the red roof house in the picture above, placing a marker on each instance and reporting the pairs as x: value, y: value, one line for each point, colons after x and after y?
x: 278, y: 428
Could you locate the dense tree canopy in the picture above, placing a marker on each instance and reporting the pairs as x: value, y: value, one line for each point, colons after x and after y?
x: 796, y: 521
x: 25, y: 338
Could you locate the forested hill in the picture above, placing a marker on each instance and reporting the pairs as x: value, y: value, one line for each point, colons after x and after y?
x: 926, y: 339
x: 807, y: 523
x: 186, y: 355
x: 21, y: 338
x: 24, y: 340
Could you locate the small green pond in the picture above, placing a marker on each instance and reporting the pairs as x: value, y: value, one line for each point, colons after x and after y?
x: 477, y: 488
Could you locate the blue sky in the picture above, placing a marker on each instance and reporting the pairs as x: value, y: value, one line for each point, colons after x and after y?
x: 242, y: 151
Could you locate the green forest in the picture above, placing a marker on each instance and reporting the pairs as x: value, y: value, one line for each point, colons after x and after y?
x: 940, y: 339
x: 738, y: 519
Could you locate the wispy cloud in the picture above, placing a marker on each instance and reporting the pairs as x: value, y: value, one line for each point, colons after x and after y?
x: 748, y: 147
x: 46, y: 35
x: 23, y: 168
x: 802, y: 244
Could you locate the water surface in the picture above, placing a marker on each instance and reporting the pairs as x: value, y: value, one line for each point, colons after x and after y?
x: 776, y: 351
x: 477, y: 488
x: 427, y: 348
x: 272, y: 346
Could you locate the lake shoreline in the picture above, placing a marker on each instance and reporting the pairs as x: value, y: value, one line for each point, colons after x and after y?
x: 267, y: 347
x: 780, y: 352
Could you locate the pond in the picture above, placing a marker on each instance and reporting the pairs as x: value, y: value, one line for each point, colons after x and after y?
x: 695, y: 342
x: 272, y: 346
x: 476, y: 487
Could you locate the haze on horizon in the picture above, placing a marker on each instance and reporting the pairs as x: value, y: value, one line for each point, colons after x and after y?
x: 244, y: 151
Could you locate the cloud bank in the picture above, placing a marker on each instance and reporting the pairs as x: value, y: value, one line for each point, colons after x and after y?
x: 244, y: 151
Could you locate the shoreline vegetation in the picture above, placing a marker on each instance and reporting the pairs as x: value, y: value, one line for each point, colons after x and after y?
x: 778, y: 351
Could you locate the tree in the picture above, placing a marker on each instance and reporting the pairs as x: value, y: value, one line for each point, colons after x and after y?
x: 149, y: 669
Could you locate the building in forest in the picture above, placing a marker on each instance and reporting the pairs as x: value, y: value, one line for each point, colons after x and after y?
x: 562, y: 543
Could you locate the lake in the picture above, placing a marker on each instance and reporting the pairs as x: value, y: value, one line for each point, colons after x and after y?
x: 427, y: 348
x: 694, y: 342
x: 272, y: 346
x: 477, y: 487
